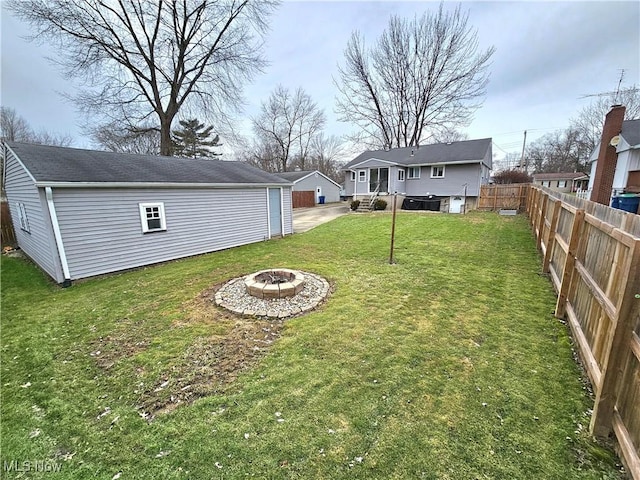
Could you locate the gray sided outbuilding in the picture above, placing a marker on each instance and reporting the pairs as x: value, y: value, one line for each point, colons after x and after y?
x: 79, y: 213
x: 314, y: 181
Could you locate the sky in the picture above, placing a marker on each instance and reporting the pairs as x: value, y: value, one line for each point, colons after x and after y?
x: 551, y: 59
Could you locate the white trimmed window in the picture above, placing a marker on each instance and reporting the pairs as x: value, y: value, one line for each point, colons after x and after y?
x: 401, y: 175
x: 22, y: 217
x: 353, y: 176
x: 413, y: 172
x: 437, y: 171
x: 362, y: 175
x: 152, y: 217
x: 562, y: 183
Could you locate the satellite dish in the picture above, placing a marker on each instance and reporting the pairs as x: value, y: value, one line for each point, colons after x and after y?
x: 615, y: 141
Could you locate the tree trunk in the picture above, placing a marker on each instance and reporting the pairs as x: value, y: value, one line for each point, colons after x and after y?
x: 166, y: 146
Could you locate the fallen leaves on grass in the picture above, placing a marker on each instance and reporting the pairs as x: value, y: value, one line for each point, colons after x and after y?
x: 210, y: 363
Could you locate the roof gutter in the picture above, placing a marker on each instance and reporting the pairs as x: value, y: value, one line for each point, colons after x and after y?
x: 58, y: 237
x: 47, y: 184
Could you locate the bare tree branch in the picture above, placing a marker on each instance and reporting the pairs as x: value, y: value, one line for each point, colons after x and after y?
x: 421, y: 78
x: 139, y: 57
x: 288, y: 124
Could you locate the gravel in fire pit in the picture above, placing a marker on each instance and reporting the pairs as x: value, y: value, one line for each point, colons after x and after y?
x: 233, y: 296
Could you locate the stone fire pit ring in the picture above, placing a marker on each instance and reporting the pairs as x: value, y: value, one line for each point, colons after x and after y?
x: 312, y: 291
x: 274, y: 283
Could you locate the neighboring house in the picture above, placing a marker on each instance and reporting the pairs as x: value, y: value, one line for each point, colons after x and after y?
x: 625, y: 160
x: 79, y: 213
x: 313, y: 181
x: 443, y: 176
x: 562, y: 182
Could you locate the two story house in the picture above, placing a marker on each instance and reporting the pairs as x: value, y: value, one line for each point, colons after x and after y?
x: 442, y: 176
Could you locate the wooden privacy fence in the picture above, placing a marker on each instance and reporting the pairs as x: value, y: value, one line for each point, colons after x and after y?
x: 305, y: 198
x: 592, y: 253
x: 6, y: 226
x: 508, y: 197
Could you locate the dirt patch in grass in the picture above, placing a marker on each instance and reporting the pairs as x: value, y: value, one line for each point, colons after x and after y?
x: 210, y: 363
x: 124, y: 343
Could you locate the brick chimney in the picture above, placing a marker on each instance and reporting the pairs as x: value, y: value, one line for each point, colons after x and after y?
x: 607, y: 156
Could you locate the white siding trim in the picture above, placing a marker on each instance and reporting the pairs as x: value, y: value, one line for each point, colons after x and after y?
x: 374, y: 159
x: 153, y: 185
x: 20, y: 162
x: 57, y: 234
x: 319, y: 173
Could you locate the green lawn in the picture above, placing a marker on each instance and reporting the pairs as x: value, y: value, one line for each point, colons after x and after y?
x: 446, y: 365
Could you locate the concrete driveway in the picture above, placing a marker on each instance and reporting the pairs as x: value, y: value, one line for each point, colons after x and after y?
x: 306, y: 218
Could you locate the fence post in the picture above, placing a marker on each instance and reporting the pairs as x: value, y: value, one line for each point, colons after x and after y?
x: 536, y: 209
x: 543, y: 216
x: 532, y: 198
x: 616, y: 348
x: 532, y: 211
x: 569, y: 263
x: 551, y: 236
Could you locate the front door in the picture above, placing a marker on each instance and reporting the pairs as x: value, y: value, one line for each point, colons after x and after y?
x: 275, y: 212
x: 379, y: 176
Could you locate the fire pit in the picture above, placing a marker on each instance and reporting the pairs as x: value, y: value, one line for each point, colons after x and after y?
x: 276, y: 293
x: 277, y: 283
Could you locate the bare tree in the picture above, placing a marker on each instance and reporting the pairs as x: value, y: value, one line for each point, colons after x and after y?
x: 116, y: 138
x: 326, y: 152
x: 449, y: 136
x: 422, y: 77
x: 145, y: 61
x: 14, y: 127
x: 288, y: 122
x: 560, y: 151
x: 263, y: 155
x: 590, y: 119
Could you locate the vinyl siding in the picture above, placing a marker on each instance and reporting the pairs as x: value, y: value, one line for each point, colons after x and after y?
x: 627, y: 160
x: 455, y: 176
x: 349, y: 184
x: 39, y: 243
x: 102, y: 233
x: 287, y: 211
x: 330, y: 190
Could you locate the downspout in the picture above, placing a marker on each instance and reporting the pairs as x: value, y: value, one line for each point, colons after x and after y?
x: 58, y: 237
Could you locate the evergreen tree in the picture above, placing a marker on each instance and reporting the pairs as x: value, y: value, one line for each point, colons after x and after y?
x: 194, y: 140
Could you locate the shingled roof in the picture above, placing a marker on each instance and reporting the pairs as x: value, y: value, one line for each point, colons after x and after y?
x: 55, y: 165
x: 454, y: 152
x: 631, y: 131
x: 295, y: 176
x: 301, y: 174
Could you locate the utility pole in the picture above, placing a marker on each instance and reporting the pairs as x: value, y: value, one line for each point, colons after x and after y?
x: 522, y: 164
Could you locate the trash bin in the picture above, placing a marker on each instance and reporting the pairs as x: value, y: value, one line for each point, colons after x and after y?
x: 321, y: 199
x: 615, y: 202
x: 629, y: 202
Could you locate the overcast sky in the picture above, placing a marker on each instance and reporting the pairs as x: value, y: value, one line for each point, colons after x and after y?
x: 549, y: 55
